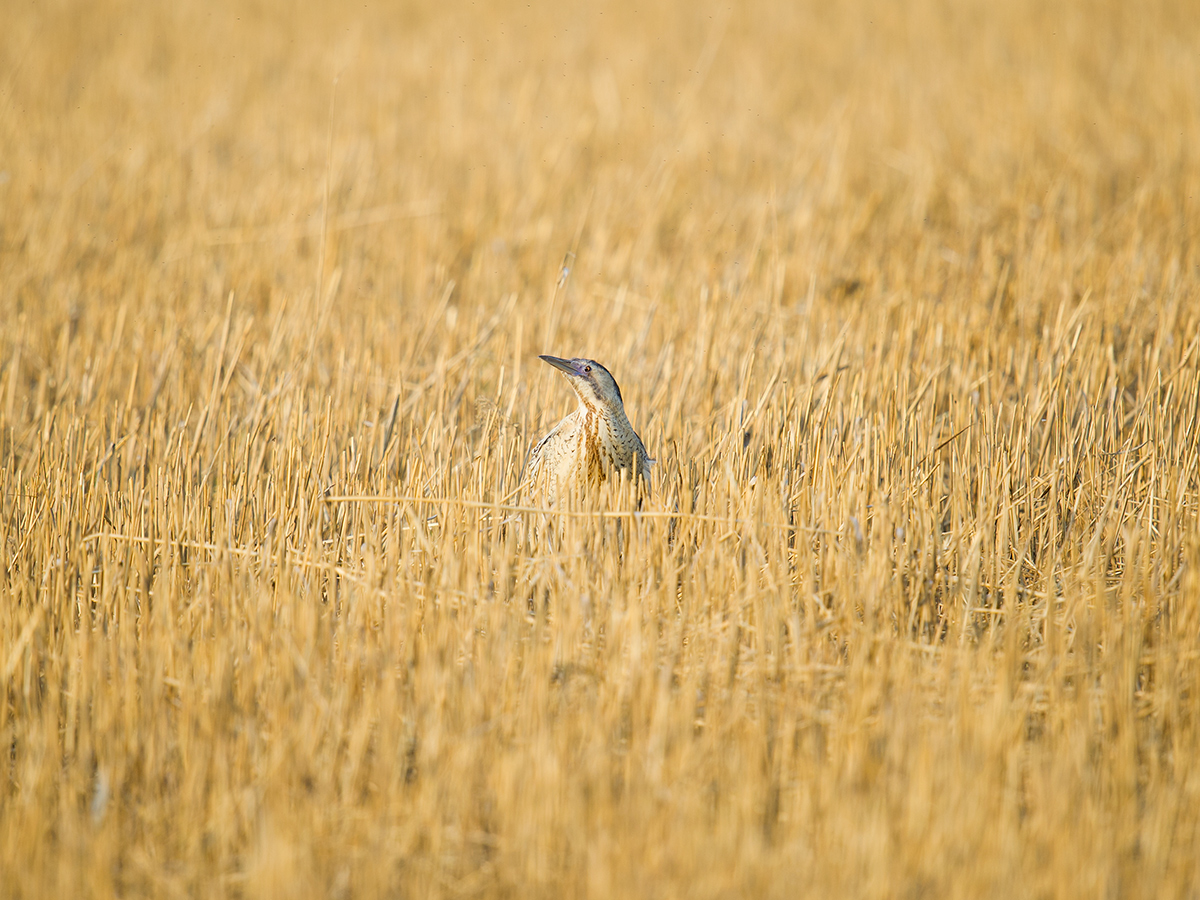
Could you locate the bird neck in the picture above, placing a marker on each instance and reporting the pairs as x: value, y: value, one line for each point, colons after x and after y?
x: 613, y: 414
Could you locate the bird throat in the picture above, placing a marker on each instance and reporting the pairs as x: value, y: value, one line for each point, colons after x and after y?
x: 594, y: 452
x: 600, y: 443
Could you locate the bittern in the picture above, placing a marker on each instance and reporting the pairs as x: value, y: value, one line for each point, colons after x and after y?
x: 593, y: 443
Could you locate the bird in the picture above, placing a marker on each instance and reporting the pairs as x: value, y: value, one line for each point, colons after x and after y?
x: 594, y: 443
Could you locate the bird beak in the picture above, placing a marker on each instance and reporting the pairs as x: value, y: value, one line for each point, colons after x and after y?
x: 563, y: 365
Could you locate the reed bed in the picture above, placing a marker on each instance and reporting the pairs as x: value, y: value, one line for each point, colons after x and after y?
x: 902, y: 298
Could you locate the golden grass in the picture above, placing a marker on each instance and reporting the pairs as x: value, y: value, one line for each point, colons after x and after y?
x: 903, y: 297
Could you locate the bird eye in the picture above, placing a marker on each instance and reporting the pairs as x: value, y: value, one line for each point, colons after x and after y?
x: 587, y: 368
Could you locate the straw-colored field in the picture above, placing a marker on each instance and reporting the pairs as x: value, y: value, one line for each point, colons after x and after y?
x: 904, y: 298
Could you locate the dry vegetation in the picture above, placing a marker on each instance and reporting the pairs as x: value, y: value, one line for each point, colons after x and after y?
x: 903, y: 297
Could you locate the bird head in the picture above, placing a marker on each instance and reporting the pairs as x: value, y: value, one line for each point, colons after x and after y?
x: 592, y: 382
